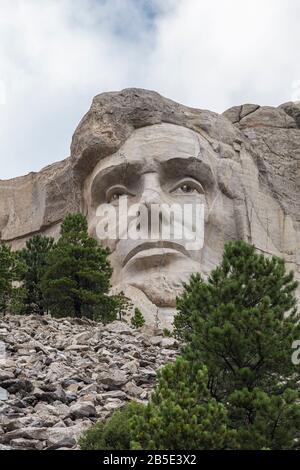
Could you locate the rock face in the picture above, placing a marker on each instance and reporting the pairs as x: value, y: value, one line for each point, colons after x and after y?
x: 61, y: 376
x: 247, y: 161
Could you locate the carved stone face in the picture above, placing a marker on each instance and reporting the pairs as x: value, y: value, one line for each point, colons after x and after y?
x: 169, y: 164
x: 159, y: 164
x: 242, y: 166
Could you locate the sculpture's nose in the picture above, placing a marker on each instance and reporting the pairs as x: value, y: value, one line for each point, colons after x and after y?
x: 151, y: 191
x: 149, y: 197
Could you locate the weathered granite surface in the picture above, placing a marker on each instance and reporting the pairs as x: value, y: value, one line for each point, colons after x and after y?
x: 253, y: 155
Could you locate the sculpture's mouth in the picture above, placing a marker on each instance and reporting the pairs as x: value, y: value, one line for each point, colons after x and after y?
x: 154, y: 249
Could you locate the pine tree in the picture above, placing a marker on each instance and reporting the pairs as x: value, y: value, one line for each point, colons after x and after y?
x: 137, y: 321
x: 123, y: 306
x: 180, y: 415
x: 34, y: 257
x: 77, y: 278
x: 10, y: 272
x: 242, y: 323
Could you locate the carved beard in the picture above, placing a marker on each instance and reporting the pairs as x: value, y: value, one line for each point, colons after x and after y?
x: 161, y: 288
x: 161, y: 283
x: 159, y: 273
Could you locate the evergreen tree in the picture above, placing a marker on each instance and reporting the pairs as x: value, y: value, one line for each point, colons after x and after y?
x: 241, y: 323
x: 10, y: 272
x: 180, y: 415
x: 77, y: 277
x: 122, y: 306
x: 137, y: 321
x: 34, y: 257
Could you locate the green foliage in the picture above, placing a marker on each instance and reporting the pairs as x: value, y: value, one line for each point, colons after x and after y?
x: 77, y: 277
x: 18, y: 299
x: 167, y: 333
x: 115, y: 433
x: 10, y: 271
x: 265, y: 421
x: 241, y: 323
x: 122, y: 306
x: 67, y: 278
x: 180, y: 415
x: 34, y: 257
x: 137, y: 321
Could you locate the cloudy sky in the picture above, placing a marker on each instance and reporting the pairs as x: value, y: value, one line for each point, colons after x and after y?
x: 55, y: 55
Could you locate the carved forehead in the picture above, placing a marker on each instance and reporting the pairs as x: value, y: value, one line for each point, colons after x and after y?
x: 159, y: 141
x: 152, y: 145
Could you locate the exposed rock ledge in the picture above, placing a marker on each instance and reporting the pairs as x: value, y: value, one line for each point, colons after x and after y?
x: 59, y: 376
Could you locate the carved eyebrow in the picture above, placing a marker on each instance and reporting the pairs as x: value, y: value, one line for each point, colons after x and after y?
x: 127, y: 171
x: 190, y: 167
x: 115, y: 174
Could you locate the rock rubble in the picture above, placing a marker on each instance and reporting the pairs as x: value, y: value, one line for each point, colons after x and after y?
x: 59, y: 376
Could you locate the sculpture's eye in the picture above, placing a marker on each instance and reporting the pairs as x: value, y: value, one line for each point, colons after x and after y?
x: 188, y: 186
x: 114, y: 193
x: 115, y: 197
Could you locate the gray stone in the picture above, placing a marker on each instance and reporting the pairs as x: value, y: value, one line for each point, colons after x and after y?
x: 168, y: 343
x: 17, y: 385
x: 293, y: 110
x: 113, y: 394
x: 6, y: 375
x: 77, y: 347
x: 45, y: 417
x: 131, y: 366
x: 26, y: 444
x: 24, y: 433
x: 119, y: 327
x: 133, y: 390
x: 113, y: 405
x: 3, y: 394
x: 113, y: 379
x: 83, y: 409
x: 3, y: 447
x: 64, y: 437
x: 156, y: 340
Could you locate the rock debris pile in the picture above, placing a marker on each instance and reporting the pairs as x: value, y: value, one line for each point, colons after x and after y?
x: 59, y: 376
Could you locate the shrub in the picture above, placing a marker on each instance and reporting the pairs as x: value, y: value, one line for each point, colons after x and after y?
x: 115, y: 433
x: 137, y: 321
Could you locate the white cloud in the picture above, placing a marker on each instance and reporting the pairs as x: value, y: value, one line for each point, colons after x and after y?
x: 55, y: 55
x: 220, y: 53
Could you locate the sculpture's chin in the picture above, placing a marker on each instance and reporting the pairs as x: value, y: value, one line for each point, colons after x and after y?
x: 161, y: 288
x: 159, y: 278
